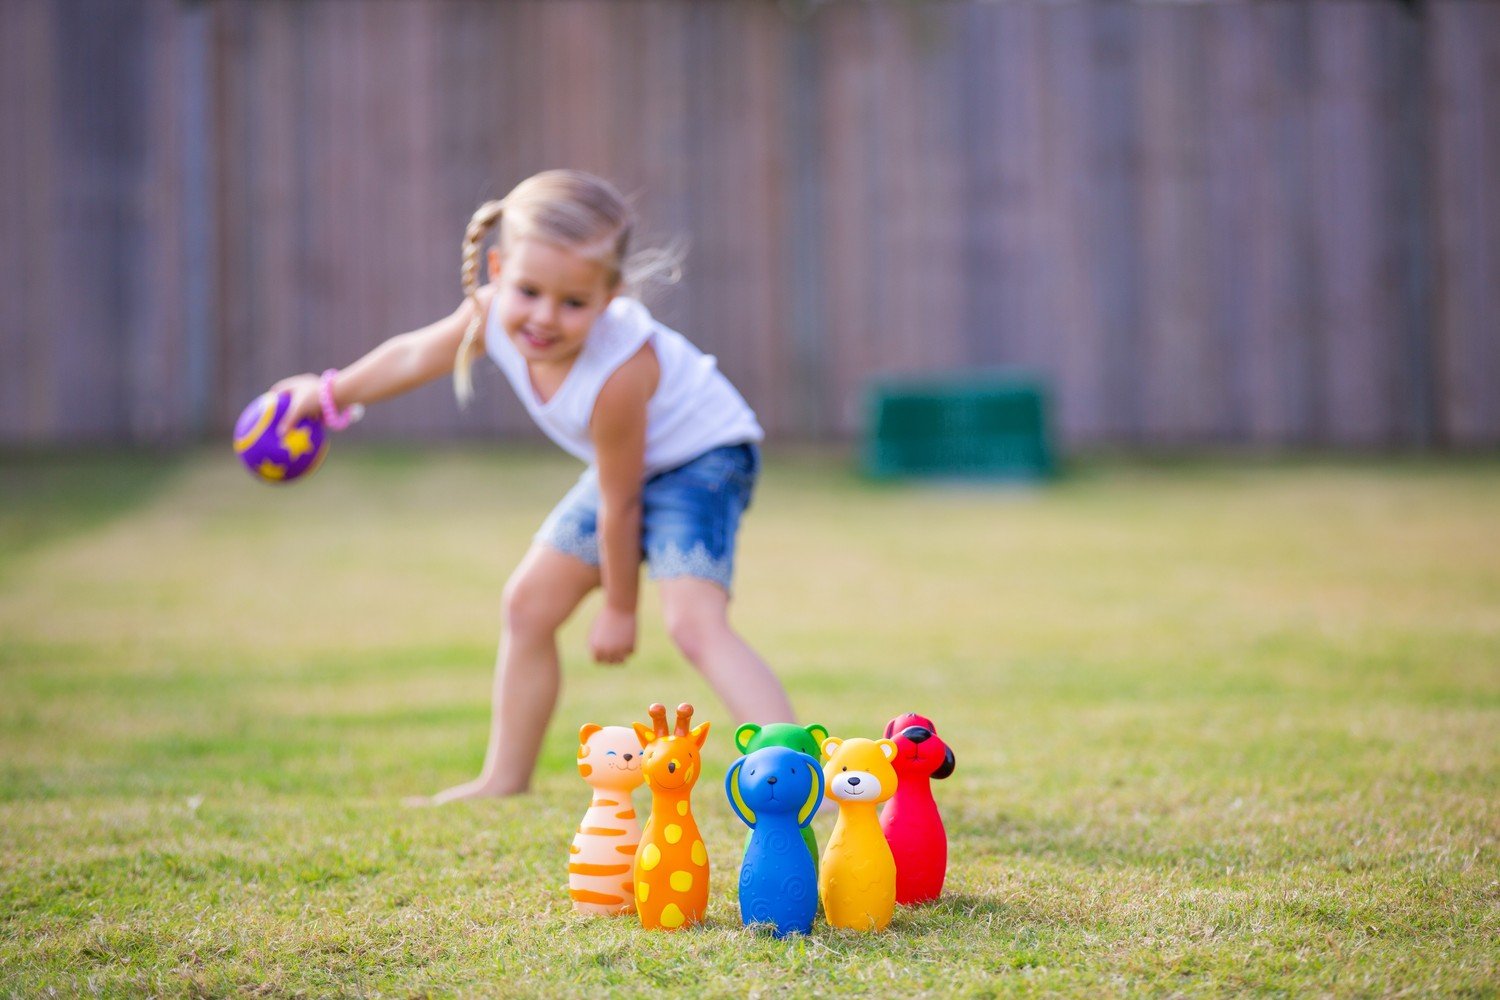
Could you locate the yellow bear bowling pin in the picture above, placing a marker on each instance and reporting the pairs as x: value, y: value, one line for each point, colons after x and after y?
x: 671, y: 867
x: 857, y: 878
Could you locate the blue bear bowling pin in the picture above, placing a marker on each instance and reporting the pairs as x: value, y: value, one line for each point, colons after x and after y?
x: 776, y: 791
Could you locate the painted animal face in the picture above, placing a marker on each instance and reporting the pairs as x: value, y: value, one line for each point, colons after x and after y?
x: 859, y: 770
x: 674, y: 762
x: 804, y: 739
x: 775, y: 780
x: 610, y: 757
x: 672, y: 756
x: 920, y: 752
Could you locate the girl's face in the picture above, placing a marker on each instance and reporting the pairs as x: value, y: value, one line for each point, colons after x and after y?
x: 549, y: 298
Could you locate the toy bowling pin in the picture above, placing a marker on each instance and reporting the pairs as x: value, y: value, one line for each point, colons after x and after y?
x: 776, y: 791
x: 806, y: 739
x: 911, y: 822
x: 671, y: 867
x: 603, y: 850
x: 858, y: 875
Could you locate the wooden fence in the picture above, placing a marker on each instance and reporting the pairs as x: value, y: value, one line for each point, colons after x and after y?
x: 1250, y: 222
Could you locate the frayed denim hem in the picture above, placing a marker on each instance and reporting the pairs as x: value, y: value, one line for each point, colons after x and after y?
x: 672, y: 562
x: 566, y: 538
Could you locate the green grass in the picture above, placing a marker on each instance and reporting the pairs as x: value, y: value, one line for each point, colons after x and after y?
x: 1221, y: 727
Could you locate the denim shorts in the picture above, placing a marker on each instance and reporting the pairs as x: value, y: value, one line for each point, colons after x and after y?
x: 689, y: 516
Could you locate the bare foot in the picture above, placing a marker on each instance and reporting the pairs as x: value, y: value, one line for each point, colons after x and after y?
x: 479, y: 788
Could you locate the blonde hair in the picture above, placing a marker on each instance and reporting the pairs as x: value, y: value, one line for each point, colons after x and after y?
x: 572, y: 209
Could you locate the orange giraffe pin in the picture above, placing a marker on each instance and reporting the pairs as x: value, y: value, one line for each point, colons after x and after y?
x: 671, y: 867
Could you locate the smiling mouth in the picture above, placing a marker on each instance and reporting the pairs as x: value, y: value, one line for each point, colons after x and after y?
x: 536, y: 340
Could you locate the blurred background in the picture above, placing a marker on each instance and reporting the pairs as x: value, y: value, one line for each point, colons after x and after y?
x: 1242, y: 223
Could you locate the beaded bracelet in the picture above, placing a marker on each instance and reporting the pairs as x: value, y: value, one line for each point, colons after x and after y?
x: 334, y: 419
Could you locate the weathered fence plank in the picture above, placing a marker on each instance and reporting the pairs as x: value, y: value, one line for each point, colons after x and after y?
x: 1466, y: 65
x: 1071, y: 199
x: 1182, y: 374
x: 30, y: 400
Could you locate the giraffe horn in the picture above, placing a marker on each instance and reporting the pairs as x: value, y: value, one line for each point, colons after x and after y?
x: 658, y: 714
x: 684, y: 718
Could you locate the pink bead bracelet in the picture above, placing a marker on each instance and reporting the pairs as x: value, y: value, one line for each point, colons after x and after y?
x: 333, y: 418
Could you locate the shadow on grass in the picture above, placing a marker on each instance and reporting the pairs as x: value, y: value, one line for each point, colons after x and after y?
x: 53, y: 495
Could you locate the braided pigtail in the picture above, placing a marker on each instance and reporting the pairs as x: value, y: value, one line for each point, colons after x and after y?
x: 480, y: 225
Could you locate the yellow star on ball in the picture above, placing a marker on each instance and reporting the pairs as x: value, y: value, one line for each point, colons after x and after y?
x: 298, y: 442
x: 270, y: 470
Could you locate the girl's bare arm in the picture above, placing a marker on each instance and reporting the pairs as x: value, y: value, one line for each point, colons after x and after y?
x: 398, y: 365
x: 618, y: 428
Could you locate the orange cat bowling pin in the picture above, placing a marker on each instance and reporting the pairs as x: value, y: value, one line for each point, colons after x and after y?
x: 603, y: 850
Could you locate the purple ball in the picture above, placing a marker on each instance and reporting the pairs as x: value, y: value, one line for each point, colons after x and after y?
x: 277, y: 458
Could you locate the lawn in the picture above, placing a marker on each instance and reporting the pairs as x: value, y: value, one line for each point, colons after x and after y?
x: 1221, y: 727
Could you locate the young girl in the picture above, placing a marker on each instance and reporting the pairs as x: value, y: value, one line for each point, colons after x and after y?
x: 671, y: 449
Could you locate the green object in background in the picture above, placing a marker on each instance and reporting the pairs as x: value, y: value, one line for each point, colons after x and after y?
x: 984, y: 425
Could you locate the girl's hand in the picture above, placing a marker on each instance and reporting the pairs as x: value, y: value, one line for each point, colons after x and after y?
x: 612, y: 638
x: 305, y: 403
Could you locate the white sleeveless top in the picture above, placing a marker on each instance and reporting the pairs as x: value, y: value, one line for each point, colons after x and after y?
x: 694, y: 409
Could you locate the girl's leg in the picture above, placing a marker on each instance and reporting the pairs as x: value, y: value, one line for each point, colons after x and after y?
x: 542, y: 593
x: 697, y: 614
